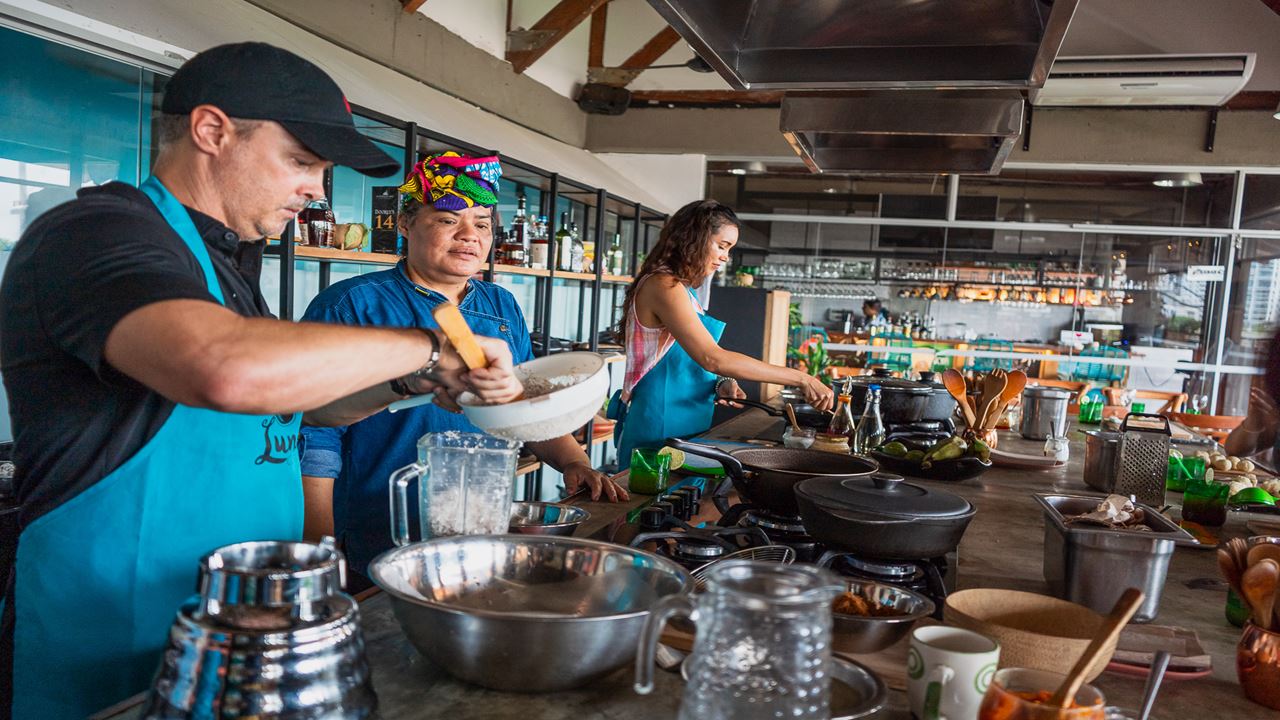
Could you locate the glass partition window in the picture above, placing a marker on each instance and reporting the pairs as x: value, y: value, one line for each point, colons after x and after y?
x: 353, y: 191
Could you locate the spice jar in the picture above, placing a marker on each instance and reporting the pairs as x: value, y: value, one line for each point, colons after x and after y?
x: 831, y: 443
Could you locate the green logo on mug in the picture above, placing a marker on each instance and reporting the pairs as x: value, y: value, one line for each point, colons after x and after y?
x: 983, y: 680
x: 915, y: 664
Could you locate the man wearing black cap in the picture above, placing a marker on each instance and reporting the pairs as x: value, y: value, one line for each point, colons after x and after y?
x: 155, y: 404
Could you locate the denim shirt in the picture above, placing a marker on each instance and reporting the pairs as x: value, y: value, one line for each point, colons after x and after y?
x: 362, y: 456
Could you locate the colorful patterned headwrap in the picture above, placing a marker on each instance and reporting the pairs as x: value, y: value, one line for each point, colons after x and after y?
x: 453, y: 182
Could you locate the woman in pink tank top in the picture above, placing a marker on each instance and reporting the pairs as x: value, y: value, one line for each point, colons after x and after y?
x: 676, y: 369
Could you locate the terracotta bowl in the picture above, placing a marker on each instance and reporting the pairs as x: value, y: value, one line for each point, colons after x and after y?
x: 1034, y: 631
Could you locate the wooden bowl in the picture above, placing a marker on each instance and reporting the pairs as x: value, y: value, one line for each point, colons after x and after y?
x: 1034, y: 631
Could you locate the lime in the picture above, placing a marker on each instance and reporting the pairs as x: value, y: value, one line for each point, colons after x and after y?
x: 677, y: 456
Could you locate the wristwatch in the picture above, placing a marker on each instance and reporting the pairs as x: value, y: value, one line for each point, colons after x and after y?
x: 426, y: 372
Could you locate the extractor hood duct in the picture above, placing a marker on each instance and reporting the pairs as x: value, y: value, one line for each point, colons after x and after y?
x: 904, y: 131
x: 866, y: 44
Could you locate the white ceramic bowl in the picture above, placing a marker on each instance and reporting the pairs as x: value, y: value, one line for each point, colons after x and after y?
x: 578, y: 383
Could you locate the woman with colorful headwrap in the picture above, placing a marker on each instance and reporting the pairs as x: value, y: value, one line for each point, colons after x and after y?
x: 448, y: 203
x: 673, y: 354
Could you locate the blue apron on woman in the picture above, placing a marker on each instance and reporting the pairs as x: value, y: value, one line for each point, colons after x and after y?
x: 675, y: 398
x: 99, y: 578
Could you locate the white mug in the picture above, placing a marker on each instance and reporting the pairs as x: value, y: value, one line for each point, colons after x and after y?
x: 948, y: 671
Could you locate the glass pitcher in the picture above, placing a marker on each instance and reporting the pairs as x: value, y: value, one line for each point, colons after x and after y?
x: 763, y: 643
x: 464, y: 486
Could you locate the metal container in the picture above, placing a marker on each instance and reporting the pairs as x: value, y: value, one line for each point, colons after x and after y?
x: 544, y: 518
x: 1044, y: 412
x: 1093, y: 565
x: 1101, y: 453
x: 859, y: 634
x: 528, y: 613
x: 270, y: 635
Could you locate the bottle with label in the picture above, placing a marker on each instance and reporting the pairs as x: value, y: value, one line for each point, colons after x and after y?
x: 577, y: 250
x: 588, y: 256
x: 511, y: 251
x: 519, y: 224
x: 315, y: 224
x: 870, y: 432
x: 615, y: 255
x: 539, y: 247
x: 564, y: 245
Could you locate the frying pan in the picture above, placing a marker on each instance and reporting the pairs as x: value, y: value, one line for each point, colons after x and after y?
x: 806, y: 415
x: 766, y: 476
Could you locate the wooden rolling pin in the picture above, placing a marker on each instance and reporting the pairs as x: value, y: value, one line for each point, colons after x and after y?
x: 460, y: 336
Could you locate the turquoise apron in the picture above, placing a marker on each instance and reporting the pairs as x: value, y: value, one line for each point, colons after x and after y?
x: 99, y: 578
x: 674, y: 399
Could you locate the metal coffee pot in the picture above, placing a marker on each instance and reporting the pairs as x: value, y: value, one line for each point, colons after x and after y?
x: 270, y: 635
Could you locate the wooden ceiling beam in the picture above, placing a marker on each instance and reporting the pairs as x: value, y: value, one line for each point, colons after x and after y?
x: 411, y: 6
x: 595, y: 50
x: 640, y: 60
x: 525, y: 47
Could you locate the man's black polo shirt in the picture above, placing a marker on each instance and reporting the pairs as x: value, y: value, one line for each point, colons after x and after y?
x: 76, y: 272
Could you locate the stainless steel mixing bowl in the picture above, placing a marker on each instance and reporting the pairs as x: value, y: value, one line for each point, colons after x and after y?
x: 544, y: 518
x: 858, y: 634
x: 528, y: 613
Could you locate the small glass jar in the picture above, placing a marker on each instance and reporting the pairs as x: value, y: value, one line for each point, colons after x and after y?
x: 798, y: 438
x: 1205, y: 503
x: 650, y: 470
x: 1057, y: 447
x: 831, y: 443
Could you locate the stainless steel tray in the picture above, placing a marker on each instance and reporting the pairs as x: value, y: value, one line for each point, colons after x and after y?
x: 1093, y: 565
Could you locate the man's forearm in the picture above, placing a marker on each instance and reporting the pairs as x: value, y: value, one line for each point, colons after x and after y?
x: 559, y: 452
x: 352, y: 408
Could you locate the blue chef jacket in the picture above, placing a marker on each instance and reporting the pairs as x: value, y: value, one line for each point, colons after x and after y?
x: 361, y: 457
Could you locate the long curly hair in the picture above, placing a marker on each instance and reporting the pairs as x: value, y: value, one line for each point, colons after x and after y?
x: 684, y: 247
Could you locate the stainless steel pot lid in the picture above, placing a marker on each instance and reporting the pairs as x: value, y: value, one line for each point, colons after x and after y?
x: 885, y: 495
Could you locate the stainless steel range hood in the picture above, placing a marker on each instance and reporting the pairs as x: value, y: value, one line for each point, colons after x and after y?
x: 848, y: 44
x: 904, y: 131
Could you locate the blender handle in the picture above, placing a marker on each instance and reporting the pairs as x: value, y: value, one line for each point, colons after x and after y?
x: 665, y: 609
x: 399, y: 486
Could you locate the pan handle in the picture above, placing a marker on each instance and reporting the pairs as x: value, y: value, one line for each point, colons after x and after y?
x: 757, y: 404
x: 732, y: 466
x: 720, y: 497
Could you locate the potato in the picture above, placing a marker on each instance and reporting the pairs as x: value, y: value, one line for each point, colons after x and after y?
x: 1221, y: 464
x: 1244, y: 465
x: 1204, y: 455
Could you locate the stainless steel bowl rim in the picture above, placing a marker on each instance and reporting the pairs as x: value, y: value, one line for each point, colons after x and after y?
x: 583, y: 515
x: 686, y: 585
x: 926, y: 607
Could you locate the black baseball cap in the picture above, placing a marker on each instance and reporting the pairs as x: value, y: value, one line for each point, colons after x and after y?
x: 257, y: 81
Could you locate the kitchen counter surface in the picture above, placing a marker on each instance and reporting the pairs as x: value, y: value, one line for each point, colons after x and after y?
x: 1002, y: 548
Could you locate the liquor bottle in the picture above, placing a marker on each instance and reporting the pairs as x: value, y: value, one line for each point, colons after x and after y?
x: 539, y: 248
x: 577, y: 250
x: 315, y: 224
x: 870, y: 432
x: 615, y: 255
x: 511, y: 251
x: 520, y: 230
x: 564, y: 245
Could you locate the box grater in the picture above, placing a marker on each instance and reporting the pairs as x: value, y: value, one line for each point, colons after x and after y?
x: 1143, y: 458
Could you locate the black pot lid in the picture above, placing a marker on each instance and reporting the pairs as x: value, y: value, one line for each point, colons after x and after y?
x: 862, y: 382
x: 883, y: 494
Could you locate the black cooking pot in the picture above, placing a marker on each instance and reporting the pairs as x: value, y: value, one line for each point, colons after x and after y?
x: 881, y: 517
x: 806, y: 414
x: 941, y: 406
x: 766, y: 476
x: 901, y: 401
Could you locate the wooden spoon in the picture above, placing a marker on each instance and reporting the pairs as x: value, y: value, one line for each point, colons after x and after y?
x: 1239, y: 550
x: 1227, y: 565
x: 1263, y: 550
x: 955, y: 384
x: 992, y: 387
x: 1014, y: 383
x: 1259, y: 586
x: 791, y: 415
x: 1124, y: 609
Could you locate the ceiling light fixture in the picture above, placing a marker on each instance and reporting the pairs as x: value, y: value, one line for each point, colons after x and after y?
x: 1178, y: 180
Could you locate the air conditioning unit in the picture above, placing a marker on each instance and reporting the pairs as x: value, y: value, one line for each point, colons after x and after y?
x: 1144, y: 80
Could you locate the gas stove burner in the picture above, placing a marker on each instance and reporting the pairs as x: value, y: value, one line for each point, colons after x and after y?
x: 694, y: 547
x: 773, y: 523
x: 889, y: 571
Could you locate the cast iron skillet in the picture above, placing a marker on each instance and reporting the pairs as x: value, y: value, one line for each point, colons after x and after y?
x: 766, y: 476
x: 882, y: 517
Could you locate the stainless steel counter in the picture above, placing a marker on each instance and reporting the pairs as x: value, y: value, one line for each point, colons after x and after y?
x: 1002, y: 548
